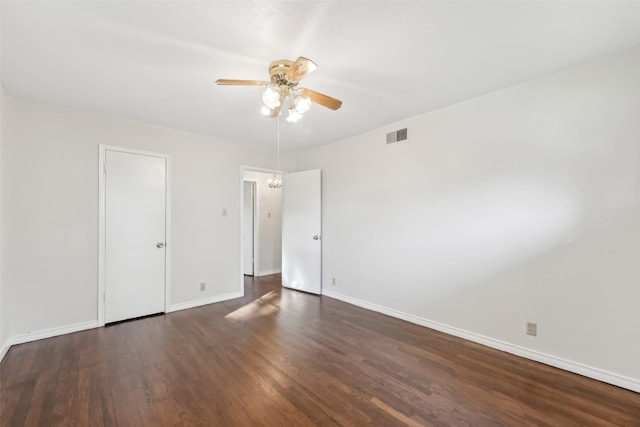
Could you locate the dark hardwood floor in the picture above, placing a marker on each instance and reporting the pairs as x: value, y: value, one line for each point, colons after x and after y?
x: 283, y: 358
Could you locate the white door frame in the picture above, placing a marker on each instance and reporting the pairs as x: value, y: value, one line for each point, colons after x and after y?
x: 102, y: 222
x: 256, y: 233
x: 256, y: 228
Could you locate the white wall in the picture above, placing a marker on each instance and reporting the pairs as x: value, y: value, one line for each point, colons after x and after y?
x: 4, y: 332
x: 520, y: 205
x: 50, y: 212
x: 3, y: 312
x: 269, y: 209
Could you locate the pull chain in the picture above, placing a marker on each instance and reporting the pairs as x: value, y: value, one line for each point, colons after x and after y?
x: 278, y: 139
x: 275, y: 182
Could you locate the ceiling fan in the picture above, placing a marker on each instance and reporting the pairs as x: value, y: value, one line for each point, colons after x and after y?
x: 283, y: 86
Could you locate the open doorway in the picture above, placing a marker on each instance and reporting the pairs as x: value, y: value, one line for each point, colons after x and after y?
x: 261, y: 238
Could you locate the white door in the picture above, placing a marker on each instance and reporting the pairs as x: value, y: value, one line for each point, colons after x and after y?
x: 135, y: 209
x: 301, y: 231
x: 248, y: 207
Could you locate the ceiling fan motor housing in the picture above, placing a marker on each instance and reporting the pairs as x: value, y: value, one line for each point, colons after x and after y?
x: 278, y: 70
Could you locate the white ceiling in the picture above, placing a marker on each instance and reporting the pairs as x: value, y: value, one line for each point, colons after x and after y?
x: 158, y: 61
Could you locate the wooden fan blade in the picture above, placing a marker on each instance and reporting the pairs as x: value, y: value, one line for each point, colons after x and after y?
x: 322, y: 99
x: 300, y: 69
x: 241, y: 82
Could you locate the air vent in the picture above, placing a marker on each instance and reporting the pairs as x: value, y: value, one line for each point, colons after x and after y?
x: 397, y: 136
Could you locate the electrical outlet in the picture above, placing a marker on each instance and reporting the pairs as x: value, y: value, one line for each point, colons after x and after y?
x: 532, y: 329
x: 203, y: 286
x: 333, y: 281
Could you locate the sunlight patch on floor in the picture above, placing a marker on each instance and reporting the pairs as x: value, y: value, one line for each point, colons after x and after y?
x: 266, y: 305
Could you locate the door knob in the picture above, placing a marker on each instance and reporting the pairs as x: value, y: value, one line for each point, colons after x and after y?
x: 160, y: 245
x: 316, y: 237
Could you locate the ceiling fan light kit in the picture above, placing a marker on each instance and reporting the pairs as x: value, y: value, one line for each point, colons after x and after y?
x: 282, y: 89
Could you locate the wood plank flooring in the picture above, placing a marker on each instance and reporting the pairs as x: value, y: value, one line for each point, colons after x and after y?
x: 283, y: 358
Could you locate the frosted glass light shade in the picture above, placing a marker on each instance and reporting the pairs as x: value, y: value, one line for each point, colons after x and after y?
x: 294, y: 115
x: 302, y: 104
x: 271, y: 97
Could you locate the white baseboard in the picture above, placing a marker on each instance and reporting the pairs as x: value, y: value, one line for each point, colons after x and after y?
x: 204, y: 301
x: 53, y: 332
x: 548, y: 359
x: 268, y: 272
x: 4, y: 348
x: 62, y: 330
